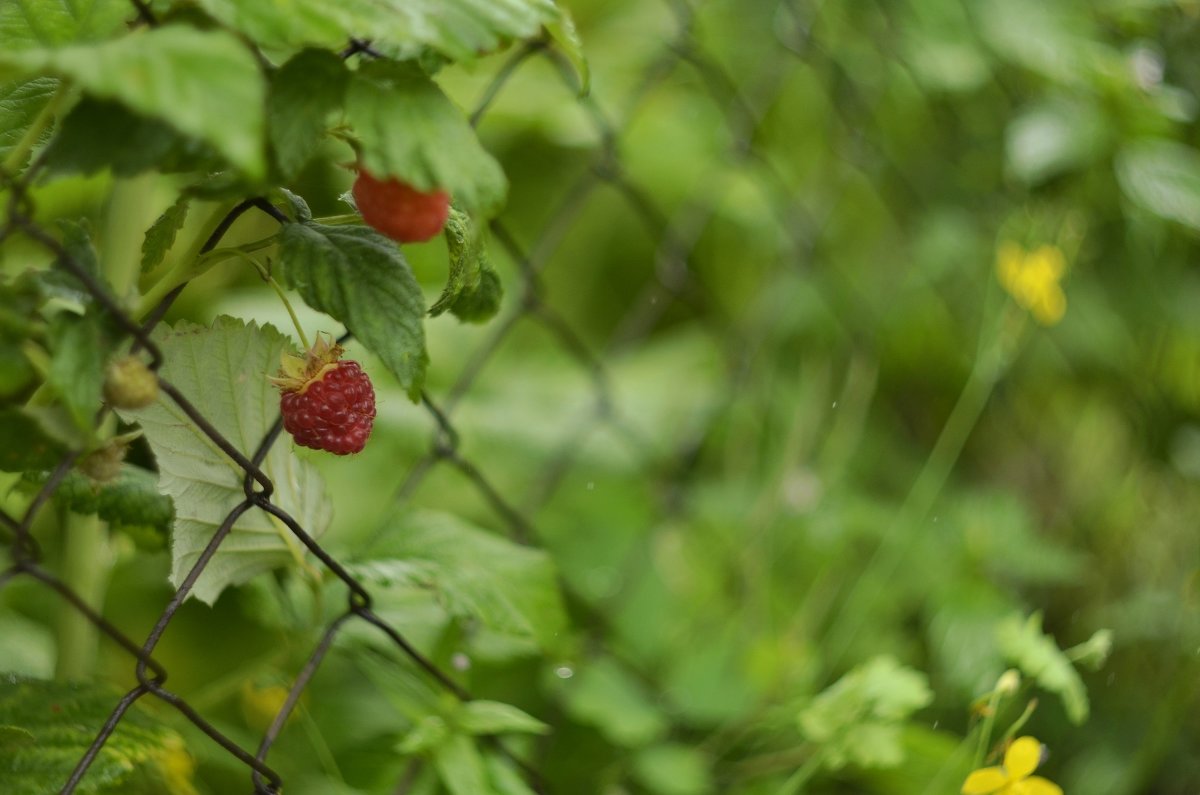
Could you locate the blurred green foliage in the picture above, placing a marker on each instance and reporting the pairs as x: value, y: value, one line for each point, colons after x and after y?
x: 845, y: 480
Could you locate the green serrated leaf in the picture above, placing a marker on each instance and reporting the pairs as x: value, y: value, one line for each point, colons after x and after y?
x: 474, y: 574
x: 53, y: 23
x: 460, y: 766
x: 564, y: 34
x: 409, y: 129
x: 49, y: 726
x: 303, y: 93
x: 1037, y: 655
x: 360, y: 278
x: 460, y: 29
x: 96, y: 135
x: 473, y: 289
x: 493, y: 717
x: 20, y: 103
x: 186, y: 77
x: 161, y: 234
x: 1162, y: 177
x: 223, y: 371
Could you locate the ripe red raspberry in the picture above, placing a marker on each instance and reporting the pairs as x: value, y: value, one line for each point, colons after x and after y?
x: 327, y: 404
x: 399, y: 210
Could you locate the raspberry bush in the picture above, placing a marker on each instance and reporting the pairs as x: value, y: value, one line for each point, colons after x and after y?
x: 204, y: 122
x: 384, y: 408
x: 326, y: 403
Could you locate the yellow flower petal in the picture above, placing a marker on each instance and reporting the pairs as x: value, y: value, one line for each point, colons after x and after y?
x: 985, y: 781
x: 1051, y: 259
x: 1036, y: 785
x: 1022, y: 757
x: 1050, y: 306
x: 1009, y: 259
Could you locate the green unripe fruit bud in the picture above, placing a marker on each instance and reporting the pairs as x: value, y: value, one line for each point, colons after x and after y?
x: 129, y: 384
x: 104, y: 465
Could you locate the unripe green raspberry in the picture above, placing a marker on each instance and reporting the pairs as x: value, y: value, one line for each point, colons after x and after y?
x: 129, y: 384
x: 104, y: 465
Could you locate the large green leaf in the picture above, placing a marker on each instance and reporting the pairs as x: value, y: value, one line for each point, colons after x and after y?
x: 20, y: 103
x: 474, y: 574
x: 99, y: 134
x: 53, y: 23
x: 461, y: 29
x: 1037, y: 655
x: 45, y: 728
x: 223, y: 371
x: 360, y: 278
x: 409, y: 129
x: 205, y: 84
x: 1164, y: 178
x: 303, y: 93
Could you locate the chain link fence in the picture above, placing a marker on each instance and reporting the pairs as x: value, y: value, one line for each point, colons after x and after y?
x: 670, y: 281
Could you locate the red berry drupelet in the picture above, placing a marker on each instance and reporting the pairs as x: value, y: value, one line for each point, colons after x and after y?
x: 327, y: 404
x: 399, y: 210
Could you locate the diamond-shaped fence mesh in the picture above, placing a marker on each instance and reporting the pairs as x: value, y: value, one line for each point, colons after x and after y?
x: 669, y: 281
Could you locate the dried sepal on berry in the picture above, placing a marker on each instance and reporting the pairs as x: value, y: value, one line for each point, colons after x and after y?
x: 297, y: 372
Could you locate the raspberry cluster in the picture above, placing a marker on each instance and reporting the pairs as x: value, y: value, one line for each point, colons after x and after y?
x: 327, y: 404
x: 399, y: 210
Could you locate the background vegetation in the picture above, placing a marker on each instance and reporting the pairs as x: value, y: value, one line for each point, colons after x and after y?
x: 855, y: 361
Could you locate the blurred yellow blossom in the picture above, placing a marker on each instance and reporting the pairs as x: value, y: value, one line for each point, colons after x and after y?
x: 176, y: 767
x: 1014, y: 776
x: 1032, y: 279
x: 261, y: 703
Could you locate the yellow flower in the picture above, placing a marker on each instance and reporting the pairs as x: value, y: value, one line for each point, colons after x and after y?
x: 1013, y: 777
x: 1032, y: 279
x: 176, y: 766
x: 261, y: 703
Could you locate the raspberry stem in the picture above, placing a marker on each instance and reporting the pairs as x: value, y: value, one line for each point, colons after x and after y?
x: 266, y: 277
